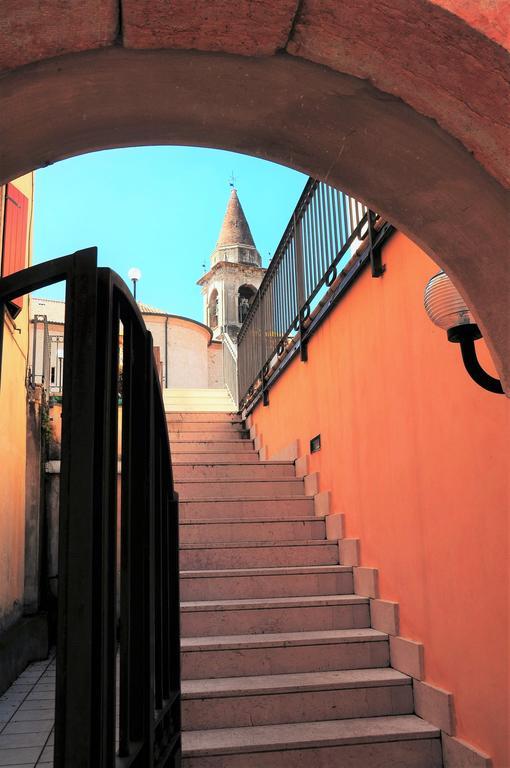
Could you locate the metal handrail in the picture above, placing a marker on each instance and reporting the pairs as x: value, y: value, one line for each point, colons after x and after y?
x: 118, y: 597
x: 230, y: 376
x: 320, y: 240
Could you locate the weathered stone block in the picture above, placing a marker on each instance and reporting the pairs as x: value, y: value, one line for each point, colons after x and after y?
x: 234, y: 26
x: 348, y: 551
x: 366, y: 582
x: 335, y: 527
x: 312, y: 484
x: 322, y: 503
x: 407, y: 656
x: 384, y: 616
x: 434, y: 705
x: 32, y: 30
x: 458, y: 754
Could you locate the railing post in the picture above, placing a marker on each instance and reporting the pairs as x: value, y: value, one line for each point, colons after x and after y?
x: 300, y: 285
x: 378, y: 268
x: 149, y: 690
x: 265, y: 391
x: 79, y: 604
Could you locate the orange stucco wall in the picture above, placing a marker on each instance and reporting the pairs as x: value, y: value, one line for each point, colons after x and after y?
x: 417, y: 457
x: 13, y: 406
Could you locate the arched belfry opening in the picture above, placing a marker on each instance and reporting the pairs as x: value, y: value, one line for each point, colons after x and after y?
x: 235, y: 274
x: 245, y: 296
x: 212, y: 310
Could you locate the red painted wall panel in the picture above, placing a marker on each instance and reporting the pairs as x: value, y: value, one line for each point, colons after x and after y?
x: 14, y: 246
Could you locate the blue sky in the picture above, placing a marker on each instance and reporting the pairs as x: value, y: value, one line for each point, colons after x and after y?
x: 159, y: 209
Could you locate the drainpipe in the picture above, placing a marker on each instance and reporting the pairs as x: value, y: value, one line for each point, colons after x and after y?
x: 166, y: 352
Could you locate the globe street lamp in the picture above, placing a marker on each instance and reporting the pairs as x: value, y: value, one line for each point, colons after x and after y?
x: 447, y: 309
x: 134, y: 275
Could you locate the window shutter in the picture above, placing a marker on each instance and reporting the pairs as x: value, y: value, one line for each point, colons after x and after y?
x: 14, y: 246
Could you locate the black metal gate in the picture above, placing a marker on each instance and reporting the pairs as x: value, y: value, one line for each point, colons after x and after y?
x: 118, y: 672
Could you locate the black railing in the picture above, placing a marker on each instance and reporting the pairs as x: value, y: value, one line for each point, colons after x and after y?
x: 118, y: 598
x: 230, y: 368
x: 328, y: 238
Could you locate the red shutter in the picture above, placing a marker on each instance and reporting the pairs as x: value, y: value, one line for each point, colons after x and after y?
x: 14, y: 248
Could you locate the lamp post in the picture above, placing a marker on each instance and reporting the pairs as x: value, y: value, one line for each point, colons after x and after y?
x: 447, y: 309
x: 134, y: 275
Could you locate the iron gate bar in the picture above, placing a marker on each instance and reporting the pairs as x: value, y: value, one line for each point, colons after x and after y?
x: 96, y: 301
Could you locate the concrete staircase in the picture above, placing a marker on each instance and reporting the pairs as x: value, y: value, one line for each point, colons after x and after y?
x: 280, y: 665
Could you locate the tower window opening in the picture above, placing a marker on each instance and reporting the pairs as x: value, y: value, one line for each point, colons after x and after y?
x: 245, y: 297
x: 213, y: 309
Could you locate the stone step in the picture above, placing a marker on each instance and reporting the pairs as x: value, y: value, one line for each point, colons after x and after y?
x: 236, y: 509
x: 209, y: 435
x: 377, y: 742
x: 215, y: 427
x: 198, y: 401
x: 182, y: 445
x: 226, y: 470
x: 180, y: 457
x: 280, y: 653
x: 235, y: 489
x: 230, y: 418
x: 273, y: 614
x: 205, y: 399
x: 217, y: 531
x: 266, y: 582
x: 195, y: 557
x: 194, y: 391
x: 201, y: 406
x: 193, y: 428
x: 236, y: 702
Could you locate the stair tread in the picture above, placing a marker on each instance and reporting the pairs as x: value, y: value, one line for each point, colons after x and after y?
x: 248, y: 520
x: 283, y: 497
x: 218, y: 480
x: 272, y: 602
x: 296, y: 570
x: 276, y: 639
x: 255, y: 461
x: 223, y: 423
x: 286, y: 683
x: 212, y: 441
x: 264, y: 738
x: 236, y: 544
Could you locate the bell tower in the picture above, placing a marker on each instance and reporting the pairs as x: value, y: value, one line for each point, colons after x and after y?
x: 234, y: 275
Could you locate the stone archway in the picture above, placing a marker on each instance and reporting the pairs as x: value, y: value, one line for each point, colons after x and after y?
x: 423, y: 137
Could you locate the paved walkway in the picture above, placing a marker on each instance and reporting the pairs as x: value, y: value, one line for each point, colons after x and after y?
x: 26, y: 718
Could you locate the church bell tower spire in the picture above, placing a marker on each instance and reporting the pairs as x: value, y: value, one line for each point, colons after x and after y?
x: 235, y: 273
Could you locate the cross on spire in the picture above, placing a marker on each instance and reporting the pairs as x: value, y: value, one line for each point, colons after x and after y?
x: 232, y: 180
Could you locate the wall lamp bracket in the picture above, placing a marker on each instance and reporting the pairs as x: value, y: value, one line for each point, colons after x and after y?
x: 375, y: 241
x: 466, y: 335
x: 447, y: 309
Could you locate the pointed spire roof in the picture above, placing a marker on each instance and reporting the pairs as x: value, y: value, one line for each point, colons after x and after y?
x: 235, y: 229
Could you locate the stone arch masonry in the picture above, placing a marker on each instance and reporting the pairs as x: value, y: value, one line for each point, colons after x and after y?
x: 407, y: 108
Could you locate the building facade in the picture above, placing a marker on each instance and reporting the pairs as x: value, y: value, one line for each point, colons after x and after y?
x: 16, y: 203
x: 187, y: 354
